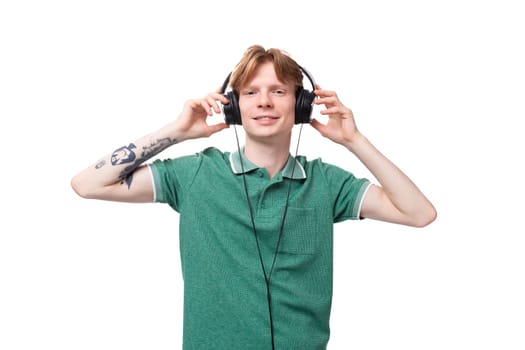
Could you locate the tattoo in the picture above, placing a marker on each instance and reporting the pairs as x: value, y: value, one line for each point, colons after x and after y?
x: 156, y: 147
x: 149, y: 151
x: 127, y: 180
x: 100, y: 164
x: 123, y: 154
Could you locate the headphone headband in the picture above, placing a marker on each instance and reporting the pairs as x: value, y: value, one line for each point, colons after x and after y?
x: 309, y: 76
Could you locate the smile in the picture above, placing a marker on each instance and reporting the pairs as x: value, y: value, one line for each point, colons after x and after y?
x: 265, y: 118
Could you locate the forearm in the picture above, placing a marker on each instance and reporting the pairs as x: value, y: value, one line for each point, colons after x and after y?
x: 412, y: 205
x: 118, y: 165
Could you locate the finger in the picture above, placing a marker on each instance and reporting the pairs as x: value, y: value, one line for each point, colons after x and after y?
x: 211, y: 102
x: 204, y: 104
x: 212, y: 129
x: 325, y: 93
x: 326, y: 100
x: 335, y: 111
x: 214, y: 99
x: 317, y: 125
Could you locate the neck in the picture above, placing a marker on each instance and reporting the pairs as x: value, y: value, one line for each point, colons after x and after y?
x: 269, y: 155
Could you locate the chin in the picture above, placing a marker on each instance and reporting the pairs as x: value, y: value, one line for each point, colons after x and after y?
x: 269, y: 136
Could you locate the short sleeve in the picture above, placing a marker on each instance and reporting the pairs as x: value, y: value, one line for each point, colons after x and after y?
x: 173, y: 177
x: 347, y: 192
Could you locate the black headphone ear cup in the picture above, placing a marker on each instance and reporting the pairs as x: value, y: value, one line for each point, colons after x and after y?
x: 303, y: 106
x: 232, y: 113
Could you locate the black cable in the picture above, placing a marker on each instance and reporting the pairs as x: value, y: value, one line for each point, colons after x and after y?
x: 285, y: 211
x: 267, y: 277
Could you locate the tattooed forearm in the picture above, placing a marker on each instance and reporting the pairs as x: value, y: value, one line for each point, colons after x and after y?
x: 155, y: 147
x: 127, y: 155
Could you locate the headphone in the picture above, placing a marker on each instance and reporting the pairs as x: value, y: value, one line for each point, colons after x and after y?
x: 303, y: 103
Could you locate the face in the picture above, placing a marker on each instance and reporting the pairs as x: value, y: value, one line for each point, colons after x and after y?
x: 267, y: 105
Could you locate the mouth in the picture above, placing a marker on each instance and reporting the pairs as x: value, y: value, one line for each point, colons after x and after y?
x: 265, y: 117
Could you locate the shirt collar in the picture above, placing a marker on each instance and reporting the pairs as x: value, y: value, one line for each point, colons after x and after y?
x: 288, y: 171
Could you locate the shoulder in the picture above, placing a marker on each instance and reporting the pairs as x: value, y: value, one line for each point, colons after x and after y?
x: 185, y: 168
x: 213, y: 153
x: 210, y: 159
x: 333, y: 175
x: 317, y: 165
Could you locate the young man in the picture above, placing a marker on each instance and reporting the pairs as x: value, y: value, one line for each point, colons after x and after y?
x: 256, y: 224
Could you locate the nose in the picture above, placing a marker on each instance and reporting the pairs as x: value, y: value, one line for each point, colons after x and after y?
x: 265, y: 100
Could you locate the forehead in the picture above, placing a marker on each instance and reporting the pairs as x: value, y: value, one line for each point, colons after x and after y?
x: 265, y: 74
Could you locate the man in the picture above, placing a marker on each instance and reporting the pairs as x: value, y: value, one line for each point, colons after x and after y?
x: 256, y: 225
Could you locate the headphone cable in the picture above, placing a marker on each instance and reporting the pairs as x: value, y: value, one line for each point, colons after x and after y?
x: 267, y: 277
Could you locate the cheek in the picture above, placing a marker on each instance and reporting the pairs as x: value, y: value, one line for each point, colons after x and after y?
x: 244, y: 107
x: 291, y: 112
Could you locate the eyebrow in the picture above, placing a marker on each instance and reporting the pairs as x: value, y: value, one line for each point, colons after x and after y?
x: 271, y: 87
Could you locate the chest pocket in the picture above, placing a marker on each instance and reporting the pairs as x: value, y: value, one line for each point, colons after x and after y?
x: 301, y: 234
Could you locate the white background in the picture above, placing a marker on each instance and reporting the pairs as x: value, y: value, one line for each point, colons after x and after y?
x: 438, y: 87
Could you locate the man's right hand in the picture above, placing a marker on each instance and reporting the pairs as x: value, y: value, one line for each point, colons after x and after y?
x: 192, y: 123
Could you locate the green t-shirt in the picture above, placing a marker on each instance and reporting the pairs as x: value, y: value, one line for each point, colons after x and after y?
x: 225, y: 303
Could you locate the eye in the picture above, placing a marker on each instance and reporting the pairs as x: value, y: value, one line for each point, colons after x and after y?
x: 248, y: 92
x: 279, y: 92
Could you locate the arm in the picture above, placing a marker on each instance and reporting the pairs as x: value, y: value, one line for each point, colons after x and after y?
x: 397, y: 199
x: 123, y: 176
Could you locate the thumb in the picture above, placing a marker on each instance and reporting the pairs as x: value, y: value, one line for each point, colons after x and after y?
x: 317, y: 125
x: 212, y: 129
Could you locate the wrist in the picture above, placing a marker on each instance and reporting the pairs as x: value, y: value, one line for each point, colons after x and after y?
x: 357, y: 141
x: 172, y: 132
